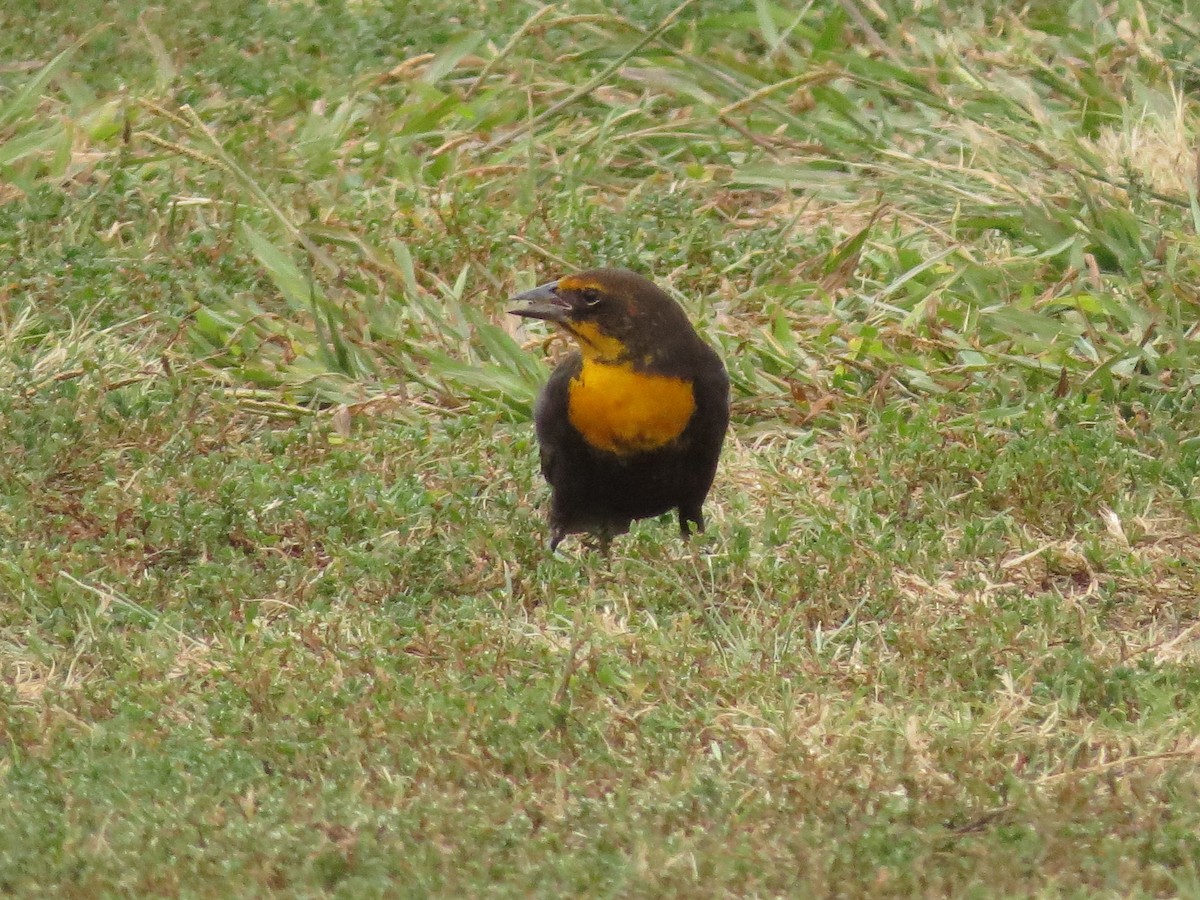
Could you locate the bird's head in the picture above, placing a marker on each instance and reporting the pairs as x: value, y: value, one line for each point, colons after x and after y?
x: 614, y: 315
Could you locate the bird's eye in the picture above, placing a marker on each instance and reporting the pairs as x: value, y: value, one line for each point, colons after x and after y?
x: 591, y: 297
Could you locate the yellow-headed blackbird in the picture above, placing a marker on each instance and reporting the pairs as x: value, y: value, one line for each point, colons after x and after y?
x: 631, y: 424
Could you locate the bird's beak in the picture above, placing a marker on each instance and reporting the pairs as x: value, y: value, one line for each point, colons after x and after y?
x: 543, y: 303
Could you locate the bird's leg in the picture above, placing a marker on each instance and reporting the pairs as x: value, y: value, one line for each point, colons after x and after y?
x: 601, y: 539
x: 685, y: 518
x: 606, y: 538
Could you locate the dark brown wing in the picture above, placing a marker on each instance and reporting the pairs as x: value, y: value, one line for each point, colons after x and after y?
x: 704, y: 437
x: 551, y: 418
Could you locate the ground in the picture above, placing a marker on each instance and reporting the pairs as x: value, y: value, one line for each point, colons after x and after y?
x: 276, y: 611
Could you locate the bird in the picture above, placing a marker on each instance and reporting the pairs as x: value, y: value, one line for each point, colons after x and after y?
x: 630, y: 424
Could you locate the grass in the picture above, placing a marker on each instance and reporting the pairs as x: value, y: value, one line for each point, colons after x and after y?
x: 276, y: 614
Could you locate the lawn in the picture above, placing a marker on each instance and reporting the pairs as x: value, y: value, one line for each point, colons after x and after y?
x: 277, y: 615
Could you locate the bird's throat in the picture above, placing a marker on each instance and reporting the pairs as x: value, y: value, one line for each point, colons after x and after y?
x: 595, y: 345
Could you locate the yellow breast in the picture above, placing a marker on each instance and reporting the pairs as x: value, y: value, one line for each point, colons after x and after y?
x: 623, y: 411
